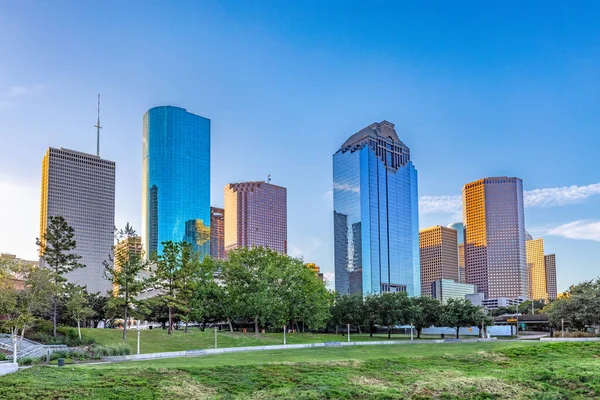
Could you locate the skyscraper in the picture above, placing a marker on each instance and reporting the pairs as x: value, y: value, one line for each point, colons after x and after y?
x: 439, y: 256
x: 460, y: 230
x: 217, y: 233
x: 80, y: 188
x: 376, y: 227
x: 534, y: 250
x: 176, y: 179
x: 550, y: 263
x: 256, y: 216
x: 495, y: 237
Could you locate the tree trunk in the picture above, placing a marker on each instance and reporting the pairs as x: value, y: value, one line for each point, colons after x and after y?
x: 389, y: 332
x: 186, y: 325
x: 125, y: 323
x: 170, y: 320
x: 457, y: 332
x: 359, y: 330
x: 256, y: 325
x: 230, y: 325
x: 54, y: 301
x: 419, y: 333
x: 79, y: 329
x: 297, y: 327
x: 371, y: 328
x: 336, y: 330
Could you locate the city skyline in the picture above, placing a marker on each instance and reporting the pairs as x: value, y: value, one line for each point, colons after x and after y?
x: 472, y: 98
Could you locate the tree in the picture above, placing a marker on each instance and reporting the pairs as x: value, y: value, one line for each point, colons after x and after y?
x: 189, y: 281
x: 206, y: 302
x: 459, y: 313
x: 57, y: 247
x: 394, y: 309
x: 166, y: 276
x: 348, y: 309
x: 579, y: 308
x: 427, y: 312
x: 77, y: 306
x: 372, y: 312
x: 125, y: 270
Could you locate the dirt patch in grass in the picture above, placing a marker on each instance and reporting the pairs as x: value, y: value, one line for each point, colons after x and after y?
x: 464, y: 387
x: 182, y: 386
x: 371, y: 382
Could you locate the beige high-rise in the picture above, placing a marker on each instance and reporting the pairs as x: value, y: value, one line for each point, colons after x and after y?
x: 439, y: 256
x: 534, y: 250
x: 550, y: 264
x: 256, y: 216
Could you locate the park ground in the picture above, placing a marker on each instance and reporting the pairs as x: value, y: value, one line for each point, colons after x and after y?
x: 492, y: 370
x: 157, y: 340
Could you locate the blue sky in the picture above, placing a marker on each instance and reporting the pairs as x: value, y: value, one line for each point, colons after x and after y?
x: 475, y: 90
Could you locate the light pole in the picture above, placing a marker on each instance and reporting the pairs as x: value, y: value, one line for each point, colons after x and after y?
x: 562, y: 322
x: 215, y: 336
x: 517, y: 318
x: 348, y: 333
x: 138, y: 336
x: 284, y: 338
x: 411, y: 331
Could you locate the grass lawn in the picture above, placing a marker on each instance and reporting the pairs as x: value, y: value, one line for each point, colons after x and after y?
x: 157, y: 340
x: 501, y: 370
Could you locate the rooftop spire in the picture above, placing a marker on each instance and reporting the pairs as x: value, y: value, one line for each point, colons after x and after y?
x: 98, y: 127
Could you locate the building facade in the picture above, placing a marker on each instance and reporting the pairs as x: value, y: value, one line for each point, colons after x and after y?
x: 217, y: 233
x: 462, y: 275
x: 376, y: 227
x: 126, y: 248
x: 256, y: 216
x: 493, y: 218
x: 446, y: 289
x: 439, y: 256
x: 175, y: 179
x: 536, y: 265
x: 550, y: 264
x: 80, y: 188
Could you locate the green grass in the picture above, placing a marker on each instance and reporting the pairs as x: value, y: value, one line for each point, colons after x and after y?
x: 501, y: 370
x: 157, y: 340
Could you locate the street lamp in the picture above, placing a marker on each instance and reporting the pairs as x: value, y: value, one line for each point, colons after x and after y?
x: 138, y: 336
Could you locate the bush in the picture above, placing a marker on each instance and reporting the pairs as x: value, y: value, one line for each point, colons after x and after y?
x: 2, y: 356
x: 576, y: 334
x: 27, y: 361
x: 99, y: 351
x: 44, y: 327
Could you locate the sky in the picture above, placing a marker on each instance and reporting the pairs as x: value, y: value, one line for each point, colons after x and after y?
x: 475, y: 89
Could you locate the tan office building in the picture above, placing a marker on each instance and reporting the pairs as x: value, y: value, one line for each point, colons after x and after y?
x: 439, y: 256
x: 534, y: 250
x: 550, y: 265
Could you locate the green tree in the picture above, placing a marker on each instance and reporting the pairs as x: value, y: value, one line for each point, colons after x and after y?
x: 347, y: 309
x: 458, y: 313
x: 372, y: 312
x: 207, y: 302
x: 427, y: 312
x: 394, y: 309
x: 77, y: 306
x: 579, y: 309
x: 188, y: 283
x: 125, y: 270
x: 57, y: 250
x: 166, y: 275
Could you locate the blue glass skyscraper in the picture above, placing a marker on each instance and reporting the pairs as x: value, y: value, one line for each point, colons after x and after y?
x: 176, y: 179
x: 376, y: 226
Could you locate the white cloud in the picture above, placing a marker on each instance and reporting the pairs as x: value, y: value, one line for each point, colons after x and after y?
x: 307, y: 250
x: 548, y: 197
x: 586, y: 230
x: 328, y: 195
x: 560, y: 196
x: 17, y: 93
x: 19, y: 218
x: 440, y: 204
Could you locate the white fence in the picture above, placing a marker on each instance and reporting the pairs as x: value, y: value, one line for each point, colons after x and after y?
x: 495, y: 330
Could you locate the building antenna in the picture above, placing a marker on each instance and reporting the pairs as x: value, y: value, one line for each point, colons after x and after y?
x: 98, y: 127
x: 268, y: 178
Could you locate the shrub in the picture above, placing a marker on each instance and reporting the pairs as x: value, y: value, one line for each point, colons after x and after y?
x: 27, y: 361
x: 44, y: 327
x: 2, y: 356
x: 99, y: 351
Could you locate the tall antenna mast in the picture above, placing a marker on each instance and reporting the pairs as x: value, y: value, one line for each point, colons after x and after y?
x: 269, y: 178
x: 98, y: 127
